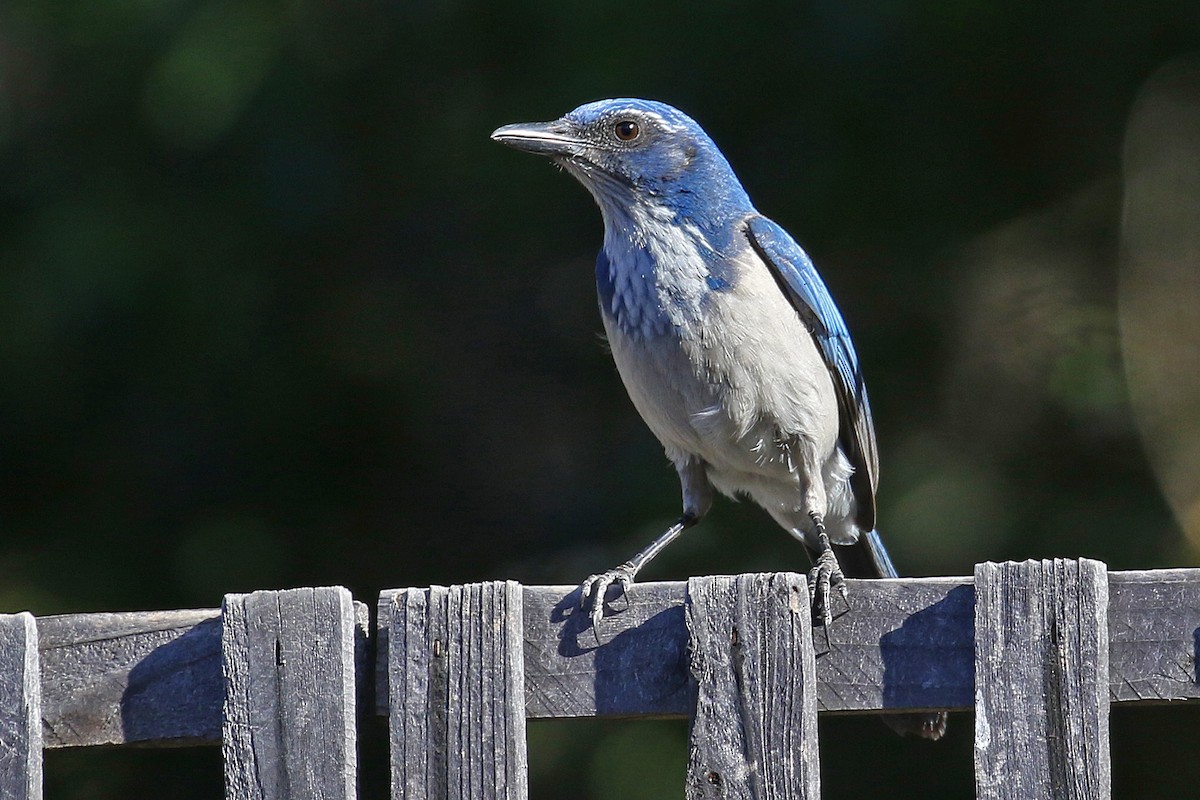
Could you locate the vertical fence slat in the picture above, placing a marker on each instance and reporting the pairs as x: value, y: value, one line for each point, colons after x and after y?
x: 456, y: 685
x: 416, y: 692
x: 20, y: 709
x: 754, y: 733
x: 1041, y: 680
x: 289, y: 713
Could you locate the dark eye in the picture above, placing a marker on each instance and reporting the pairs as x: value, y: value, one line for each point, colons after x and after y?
x: 626, y: 130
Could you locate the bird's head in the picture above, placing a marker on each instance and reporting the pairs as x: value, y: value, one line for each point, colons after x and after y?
x: 630, y: 151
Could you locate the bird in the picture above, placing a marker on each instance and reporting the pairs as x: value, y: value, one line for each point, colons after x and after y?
x: 728, y: 343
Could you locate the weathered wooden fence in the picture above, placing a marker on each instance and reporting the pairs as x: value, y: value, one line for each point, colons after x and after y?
x: 1037, y: 649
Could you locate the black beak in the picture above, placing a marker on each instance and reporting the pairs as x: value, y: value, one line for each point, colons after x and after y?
x: 543, y: 138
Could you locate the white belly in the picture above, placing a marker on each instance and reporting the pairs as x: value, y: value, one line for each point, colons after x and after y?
x: 745, y: 389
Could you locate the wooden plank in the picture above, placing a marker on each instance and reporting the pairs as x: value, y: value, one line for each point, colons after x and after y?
x: 289, y: 712
x: 457, y: 692
x: 416, y: 659
x: 487, y: 755
x: 1042, y: 684
x: 20, y: 709
x: 154, y: 678
x: 126, y: 678
x: 635, y: 664
x: 1153, y: 616
x: 904, y: 644
x: 754, y: 733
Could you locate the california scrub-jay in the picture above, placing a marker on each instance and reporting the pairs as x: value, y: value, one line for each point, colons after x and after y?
x: 727, y: 341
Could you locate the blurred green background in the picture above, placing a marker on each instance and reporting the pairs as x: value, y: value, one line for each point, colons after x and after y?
x: 275, y: 312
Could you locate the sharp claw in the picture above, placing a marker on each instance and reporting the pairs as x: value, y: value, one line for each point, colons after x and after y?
x: 823, y: 592
x: 597, y: 614
x: 596, y: 587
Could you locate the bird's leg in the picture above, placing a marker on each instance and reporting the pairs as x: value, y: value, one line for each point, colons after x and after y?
x: 596, y: 586
x: 825, y: 574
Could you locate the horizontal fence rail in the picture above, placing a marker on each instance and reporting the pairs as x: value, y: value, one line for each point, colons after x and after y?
x: 1038, y: 650
x: 903, y: 644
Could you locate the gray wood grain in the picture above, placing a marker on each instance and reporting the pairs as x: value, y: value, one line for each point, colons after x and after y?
x: 1153, y: 619
x: 154, y: 678
x: 417, y: 662
x: 137, y: 677
x: 457, y: 692
x: 20, y: 709
x: 904, y: 644
x: 289, y: 713
x: 635, y: 664
x: 754, y: 732
x: 1042, y: 683
x: 487, y: 755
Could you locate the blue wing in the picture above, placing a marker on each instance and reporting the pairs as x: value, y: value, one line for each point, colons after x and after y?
x: 798, y: 278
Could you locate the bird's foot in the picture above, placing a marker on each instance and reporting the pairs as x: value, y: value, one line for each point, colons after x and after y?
x: 825, y: 576
x: 596, y: 588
